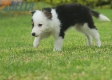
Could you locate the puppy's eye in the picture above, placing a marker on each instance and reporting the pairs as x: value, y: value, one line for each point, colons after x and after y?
x: 32, y: 23
x: 39, y: 25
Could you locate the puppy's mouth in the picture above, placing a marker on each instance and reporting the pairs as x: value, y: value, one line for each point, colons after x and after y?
x: 35, y: 36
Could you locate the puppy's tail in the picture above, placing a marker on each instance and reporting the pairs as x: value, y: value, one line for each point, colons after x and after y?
x: 101, y: 17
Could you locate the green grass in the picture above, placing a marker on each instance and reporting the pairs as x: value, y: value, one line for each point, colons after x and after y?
x: 20, y: 61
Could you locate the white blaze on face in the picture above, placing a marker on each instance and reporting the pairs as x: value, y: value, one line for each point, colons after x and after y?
x: 40, y: 23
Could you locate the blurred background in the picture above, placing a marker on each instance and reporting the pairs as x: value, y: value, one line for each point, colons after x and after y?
x: 38, y: 4
x: 12, y: 8
x: 90, y: 3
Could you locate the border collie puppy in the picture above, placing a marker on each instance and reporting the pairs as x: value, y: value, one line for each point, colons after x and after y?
x: 57, y: 20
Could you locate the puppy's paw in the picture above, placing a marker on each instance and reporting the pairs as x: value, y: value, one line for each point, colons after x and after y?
x: 98, y: 43
x: 35, y: 46
x: 56, y: 49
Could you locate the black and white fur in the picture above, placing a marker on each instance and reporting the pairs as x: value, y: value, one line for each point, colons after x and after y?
x: 57, y: 20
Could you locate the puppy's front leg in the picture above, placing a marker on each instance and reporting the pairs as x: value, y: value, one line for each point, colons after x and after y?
x: 36, y: 42
x: 58, y: 42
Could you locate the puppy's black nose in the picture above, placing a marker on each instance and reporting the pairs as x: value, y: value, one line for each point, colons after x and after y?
x: 33, y: 34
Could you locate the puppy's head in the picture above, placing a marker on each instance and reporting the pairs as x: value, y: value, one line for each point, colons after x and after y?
x: 40, y: 21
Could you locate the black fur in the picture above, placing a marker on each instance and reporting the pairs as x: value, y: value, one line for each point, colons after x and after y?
x: 47, y: 12
x: 32, y: 23
x: 32, y: 12
x: 70, y: 14
x: 95, y: 14
x: 47, y: 9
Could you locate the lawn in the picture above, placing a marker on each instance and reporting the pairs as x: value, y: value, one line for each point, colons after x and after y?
x: 20, y: 61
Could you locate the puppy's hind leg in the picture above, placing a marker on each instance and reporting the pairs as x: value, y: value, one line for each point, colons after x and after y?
x: 94, y: 33
x: 83, y: 29
x: 89, y: 39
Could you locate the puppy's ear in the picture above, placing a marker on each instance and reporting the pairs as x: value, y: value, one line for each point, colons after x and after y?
x: 32, y: 12
x: 47, y: 12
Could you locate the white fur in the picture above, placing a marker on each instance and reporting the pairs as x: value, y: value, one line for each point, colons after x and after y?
x: 39, y: 18
x: 58, y: 44
x: 36, y: 42
x: 94, y: 33
x: 49, y: 27
x: 89, y: 33
x: 103, y: 18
